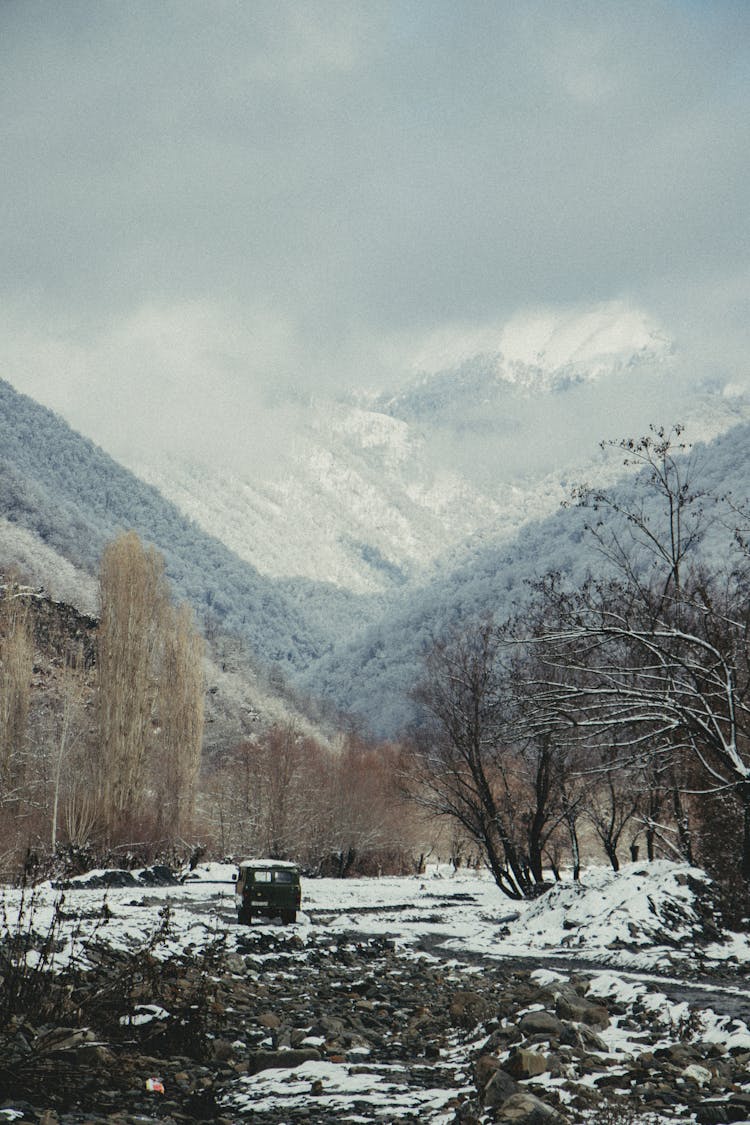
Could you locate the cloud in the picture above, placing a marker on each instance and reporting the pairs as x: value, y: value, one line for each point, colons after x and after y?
x: 172, y: 379
x: 292, y: 195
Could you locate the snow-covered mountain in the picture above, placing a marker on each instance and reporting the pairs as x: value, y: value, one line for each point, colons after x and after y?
x: 353, y: 502
x: 372, y: 671
x: 382, y: 518
x: 371, y: 492
x: 536, y: 354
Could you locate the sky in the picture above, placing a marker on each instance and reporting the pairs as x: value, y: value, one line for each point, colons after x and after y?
x: 211, y: 210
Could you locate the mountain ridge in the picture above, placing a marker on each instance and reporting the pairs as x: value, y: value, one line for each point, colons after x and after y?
x: 73, y: 496
x: 372, y: 532
x: 372, y: 492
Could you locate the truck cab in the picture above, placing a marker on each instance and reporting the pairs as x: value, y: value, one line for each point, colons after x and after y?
x: 268, y: 888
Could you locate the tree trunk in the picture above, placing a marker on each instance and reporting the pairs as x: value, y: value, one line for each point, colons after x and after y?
x: 611, y: 851
x: 684, y: 834
x: 745, y: 866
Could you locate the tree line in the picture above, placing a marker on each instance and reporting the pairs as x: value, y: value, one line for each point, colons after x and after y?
x: 101, y: 756
x: 100, y: 753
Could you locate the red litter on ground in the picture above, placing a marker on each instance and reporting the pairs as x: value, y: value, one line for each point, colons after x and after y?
x: 154, y: 1086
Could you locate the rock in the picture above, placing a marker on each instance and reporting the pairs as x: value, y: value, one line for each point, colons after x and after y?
x: 525, y: 1109
x: 700, y: 1075
x: 484, y: 1067
x: 499, y: 1088
x: 330, y: 1026
x: 269, y: 1060
x: 720, y: 1113
x: 467, y: 1008
x: 502, y: 1038
x: 570, y: 1006
x: 269, y: 1020
x: 681, y: 1054
x: 158, y: 876
x: 467, y: 1113
x: 579, y: 1035
x: 522, y: 1063
x: 590, y: 1041
x: 94, y: 1056
x: 221, y: 1049
x: 541, y: 1023
x: 714, y: 1112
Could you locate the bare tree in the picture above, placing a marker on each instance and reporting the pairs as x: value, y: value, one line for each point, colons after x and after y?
x: 655, y: 661
x: 465, y: 764
x: 652, y: 532
x: 365, y: 828
x: 613, y: 802
x: 659, y: 689
x: 134, y: 596
x: 69, y: 733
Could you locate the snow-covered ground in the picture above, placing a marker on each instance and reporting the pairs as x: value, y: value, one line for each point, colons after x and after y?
x: 633, y: 920
x: 649, y: 923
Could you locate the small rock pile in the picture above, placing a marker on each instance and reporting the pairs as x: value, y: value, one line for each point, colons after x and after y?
x: 554, y: 1031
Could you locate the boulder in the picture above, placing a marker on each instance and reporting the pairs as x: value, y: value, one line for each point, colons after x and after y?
x: 570, y: 1006
x: 525, y: 1109
x: 700, y: 1075
x: 271, y: 1060
x: 579, y: 1035
x: 522, y: 1063
x: 467, y: 1008
x: 330, y: 1026
x: 499, y: 1088
x: 541, y: 1023
x: 484, y: 1068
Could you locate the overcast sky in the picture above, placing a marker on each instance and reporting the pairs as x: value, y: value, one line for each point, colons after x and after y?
x: 205, y: 203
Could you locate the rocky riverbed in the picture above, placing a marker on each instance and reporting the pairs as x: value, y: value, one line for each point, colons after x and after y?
x: 326, y: 1023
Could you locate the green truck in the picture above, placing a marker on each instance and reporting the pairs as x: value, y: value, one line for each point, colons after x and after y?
x: 267, y: 888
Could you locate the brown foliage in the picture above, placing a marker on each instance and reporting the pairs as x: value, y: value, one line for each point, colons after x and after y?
x: 286, y: 796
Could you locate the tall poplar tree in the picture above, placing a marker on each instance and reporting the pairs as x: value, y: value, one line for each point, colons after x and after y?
x: 180, y: 714
x: 150, y: 707
x: 16, y: 664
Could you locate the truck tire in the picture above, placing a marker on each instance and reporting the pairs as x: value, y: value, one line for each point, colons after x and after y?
x: 288, y: 916
x: 244, y: 916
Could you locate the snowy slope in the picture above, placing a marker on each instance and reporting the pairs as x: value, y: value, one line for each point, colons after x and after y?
x: 352, y: 502
x: 368, y: 492
x: 371, y: 671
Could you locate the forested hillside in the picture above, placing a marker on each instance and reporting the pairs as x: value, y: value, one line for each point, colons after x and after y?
x: 374, y: 673
x: 74, y: 497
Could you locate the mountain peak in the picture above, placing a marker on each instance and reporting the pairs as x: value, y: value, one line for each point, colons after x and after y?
x: 535, y: 352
